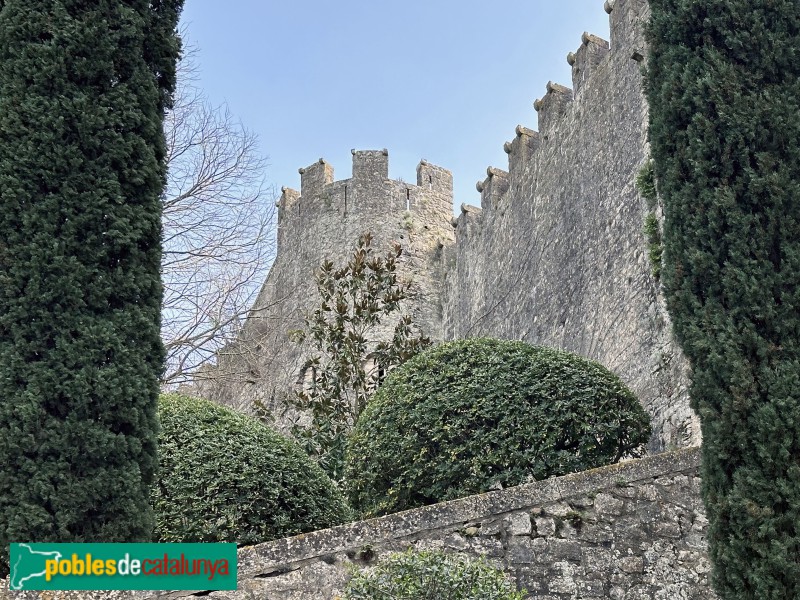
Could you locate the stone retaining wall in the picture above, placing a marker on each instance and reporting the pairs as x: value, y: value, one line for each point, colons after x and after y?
x: 630, y: 531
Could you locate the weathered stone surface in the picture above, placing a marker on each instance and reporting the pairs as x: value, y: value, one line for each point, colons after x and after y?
x: 518, y: 524
x: 545, y: 526
x: 563, y: 550
x: 606, y: 504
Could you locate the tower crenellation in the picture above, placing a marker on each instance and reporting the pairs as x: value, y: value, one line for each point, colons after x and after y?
x: 361, y: 202
x: 587, y: 59
x: 434, y: 179
x: 288, y: 212
x: 315, y: 177
x: 493, y: 187
x: 552, y: 106
x: 370, y: 166
x: 370, y: 175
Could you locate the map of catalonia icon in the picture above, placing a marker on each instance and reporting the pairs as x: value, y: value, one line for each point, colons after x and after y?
x: 29, y: 564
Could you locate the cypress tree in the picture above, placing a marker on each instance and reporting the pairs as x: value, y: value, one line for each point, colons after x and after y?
x: 83, y: 89
x: 723, y: 86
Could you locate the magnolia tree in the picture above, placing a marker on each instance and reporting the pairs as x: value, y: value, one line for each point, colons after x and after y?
x: 353, y: 347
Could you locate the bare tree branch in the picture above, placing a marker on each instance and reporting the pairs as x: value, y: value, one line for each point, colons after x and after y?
x: 219, y: 228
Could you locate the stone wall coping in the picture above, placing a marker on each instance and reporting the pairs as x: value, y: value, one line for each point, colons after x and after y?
x: 270, y: 556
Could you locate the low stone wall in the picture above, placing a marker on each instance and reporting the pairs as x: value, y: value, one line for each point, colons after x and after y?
x: 630, y: 531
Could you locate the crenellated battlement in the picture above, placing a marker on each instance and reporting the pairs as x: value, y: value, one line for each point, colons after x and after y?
x: 468, y: 226
x: 467, y: 221
x: 552, y: 107
x: 521, y: 149
x: 626, y: 17
x: 289, y: 198
x: 315, y: 177
x: 434, y: 179
x: 370, y: 166
x: 593, y: 53
x: 585, y: 61
x: 493, y: 187
x: 287, y: 205
x: 368, y: 196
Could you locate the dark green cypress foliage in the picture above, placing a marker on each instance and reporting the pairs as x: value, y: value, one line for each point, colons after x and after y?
x: 723, y: 86
x: 83, y: 88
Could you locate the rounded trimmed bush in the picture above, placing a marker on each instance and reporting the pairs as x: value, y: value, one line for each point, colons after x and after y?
x: 428, y: 574
x: 465, y: 416
x: 226, y: 477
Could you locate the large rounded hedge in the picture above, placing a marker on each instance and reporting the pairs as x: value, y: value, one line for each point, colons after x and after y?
x: 465, y: 416
x: 431, y: 574
x: 226, y: 477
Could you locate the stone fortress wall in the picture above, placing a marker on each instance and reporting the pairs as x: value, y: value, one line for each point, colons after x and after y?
x: 555, y: 255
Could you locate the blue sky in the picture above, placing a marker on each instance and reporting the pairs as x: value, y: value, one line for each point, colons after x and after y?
x: 442, y: 80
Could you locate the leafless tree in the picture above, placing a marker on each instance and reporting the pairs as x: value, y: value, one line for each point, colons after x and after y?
x: 219, y: 228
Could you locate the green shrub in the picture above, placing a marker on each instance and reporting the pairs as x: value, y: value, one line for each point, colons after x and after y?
x: 646, y: 184
x: 225, y: 477
x: 465, y: 416
x: 83, y: 91
x: 424, y: 575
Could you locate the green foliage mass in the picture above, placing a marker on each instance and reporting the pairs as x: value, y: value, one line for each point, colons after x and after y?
x: 465, y: 416
x: 226, y: 477
x: 426, y: 575
x: 724, y: 91
x: 83, y: 90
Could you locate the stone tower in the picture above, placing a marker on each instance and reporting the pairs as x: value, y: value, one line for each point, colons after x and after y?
x: 323, y: 221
